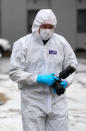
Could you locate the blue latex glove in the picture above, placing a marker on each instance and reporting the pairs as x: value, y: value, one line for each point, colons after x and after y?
x: 64, y: 84
x: 48, y: 79
x: 54, y: 90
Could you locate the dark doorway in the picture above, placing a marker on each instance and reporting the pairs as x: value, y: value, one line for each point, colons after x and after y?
x: 30, y: 18
x: 81, y: 21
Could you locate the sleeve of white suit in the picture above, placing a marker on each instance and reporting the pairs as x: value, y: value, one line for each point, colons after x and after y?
x: 17, y: 66
x: 69, y: 59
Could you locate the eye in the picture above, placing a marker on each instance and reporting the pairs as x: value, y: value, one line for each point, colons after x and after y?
x: 45, y: 27
x: 50, y: 27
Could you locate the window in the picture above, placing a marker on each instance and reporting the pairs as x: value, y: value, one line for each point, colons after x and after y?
x: 30, y: 18
x: 81, y: 21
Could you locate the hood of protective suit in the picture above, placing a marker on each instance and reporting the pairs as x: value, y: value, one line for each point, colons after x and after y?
x: 44, y: 16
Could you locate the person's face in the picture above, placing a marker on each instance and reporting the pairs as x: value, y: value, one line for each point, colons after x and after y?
x: 46, y: 26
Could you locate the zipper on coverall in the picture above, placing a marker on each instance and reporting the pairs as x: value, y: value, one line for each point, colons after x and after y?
x: 49, y: 96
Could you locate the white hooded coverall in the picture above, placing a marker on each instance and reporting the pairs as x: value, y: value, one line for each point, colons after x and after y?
x: 42, y: 110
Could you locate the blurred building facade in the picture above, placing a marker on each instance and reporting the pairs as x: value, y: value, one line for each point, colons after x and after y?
x: 16, y: 18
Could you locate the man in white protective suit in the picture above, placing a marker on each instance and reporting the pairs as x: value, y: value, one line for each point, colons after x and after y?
x: 36, y: 60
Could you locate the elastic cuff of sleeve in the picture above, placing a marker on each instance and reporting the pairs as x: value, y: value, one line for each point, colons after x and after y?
x: 35, y: 79
x: 67, y: 83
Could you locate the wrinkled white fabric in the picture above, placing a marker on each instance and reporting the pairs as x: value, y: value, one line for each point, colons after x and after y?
x: 44, y: 16
x: 42, y: 110
x: 30, y: 58
x: 46, y: 33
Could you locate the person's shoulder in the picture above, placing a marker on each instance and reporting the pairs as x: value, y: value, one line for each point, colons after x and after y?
x: 62, y: 40
x: 59, y: 37
x: 24, y: 38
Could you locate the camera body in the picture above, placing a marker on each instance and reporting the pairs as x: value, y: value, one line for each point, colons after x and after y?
x: 62, y: 75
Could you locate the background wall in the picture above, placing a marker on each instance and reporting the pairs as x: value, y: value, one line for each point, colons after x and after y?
x: 66, y: 16
x: 15, y: 22
x: 13, y: 19
x: 0, y: 17
x: 81, y: 36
